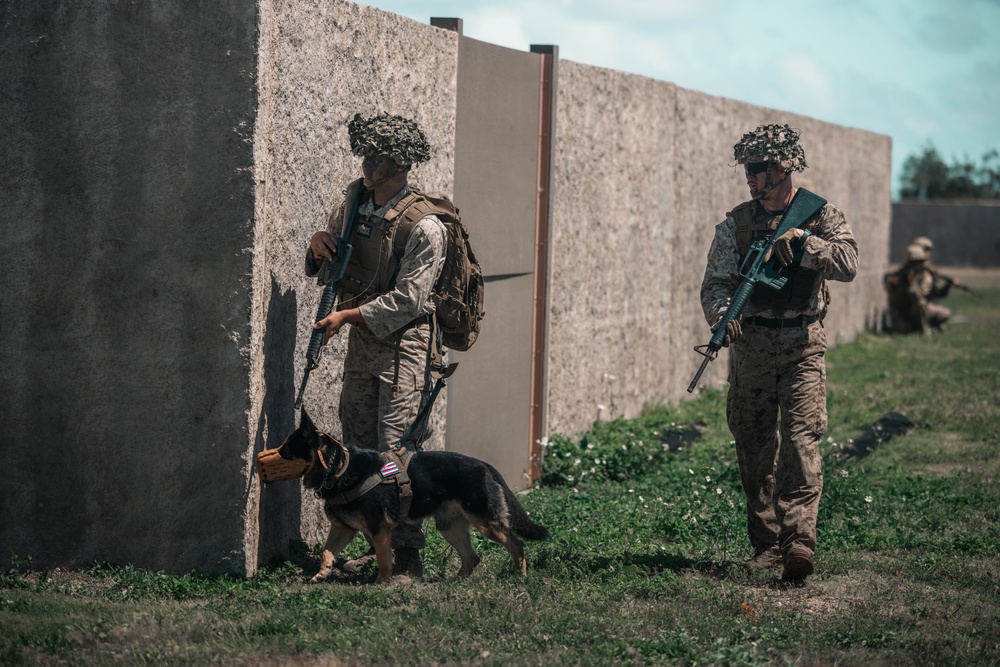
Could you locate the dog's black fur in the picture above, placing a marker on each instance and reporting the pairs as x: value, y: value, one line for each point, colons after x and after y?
x: 457, y: 490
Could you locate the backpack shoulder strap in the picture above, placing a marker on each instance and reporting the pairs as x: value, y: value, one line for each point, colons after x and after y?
x: 743, y: 217
x: 412, y: 209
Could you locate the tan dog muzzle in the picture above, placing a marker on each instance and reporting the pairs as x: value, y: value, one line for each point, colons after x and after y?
x: 273, y: 467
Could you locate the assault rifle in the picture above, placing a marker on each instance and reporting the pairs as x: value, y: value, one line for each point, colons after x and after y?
x: 756, y: 271
x: 329, y: 276
x: 953, y: 283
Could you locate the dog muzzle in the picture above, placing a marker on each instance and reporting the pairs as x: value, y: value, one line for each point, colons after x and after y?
x: 273, y: 467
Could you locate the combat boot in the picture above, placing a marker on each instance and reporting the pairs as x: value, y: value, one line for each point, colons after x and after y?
x: 355, y: 566
x: 406, y: 561
x: 798, y: 564
x: 768, y: 559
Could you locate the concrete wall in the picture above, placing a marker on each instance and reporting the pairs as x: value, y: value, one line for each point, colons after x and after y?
x: 965, y: 233
x: 644, y: 171
x: 320, y: 63
x: 126, y: 256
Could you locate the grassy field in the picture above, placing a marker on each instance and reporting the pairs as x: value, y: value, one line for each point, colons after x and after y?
x: 644, y: 563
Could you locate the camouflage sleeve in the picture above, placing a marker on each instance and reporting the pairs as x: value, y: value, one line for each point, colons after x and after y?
x: 831, y: 249
x: 722, y: 272
x: 418, y: 271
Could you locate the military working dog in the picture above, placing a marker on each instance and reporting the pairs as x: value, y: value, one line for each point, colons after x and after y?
x: 457, y: 490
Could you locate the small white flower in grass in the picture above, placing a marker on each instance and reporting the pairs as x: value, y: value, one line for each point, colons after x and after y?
x: 718, y: 490
x: 690, y: 471
x: 868, y: 499
x: 844, y: 473
x: 631, y: 490
x: 569, y: 478
x: 707, y: 478
x: 576, y: 462
x: 590, y: 446
x: 641, y: 499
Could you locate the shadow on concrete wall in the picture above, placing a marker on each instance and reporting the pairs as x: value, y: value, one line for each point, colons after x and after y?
x: 281, y: 503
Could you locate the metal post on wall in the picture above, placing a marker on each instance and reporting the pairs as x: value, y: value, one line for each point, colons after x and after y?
x: 546, y: 138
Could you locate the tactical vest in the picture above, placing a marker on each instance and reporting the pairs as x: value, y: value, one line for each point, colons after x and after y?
x: 377, y: 249
x: 752, y: 224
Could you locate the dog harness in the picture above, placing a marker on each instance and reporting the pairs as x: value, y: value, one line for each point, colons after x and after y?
x: 393, y: 471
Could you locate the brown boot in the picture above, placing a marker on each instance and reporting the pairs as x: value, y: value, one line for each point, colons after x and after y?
x: 355, y: 566
x: 798, y: 564
x: 406, y: 560
x: 768, y: 558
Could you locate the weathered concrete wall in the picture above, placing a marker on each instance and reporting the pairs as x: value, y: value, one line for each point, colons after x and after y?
x: 643, y: 172
x: 964, y: 233
x: 320, y: 63
x: 126, y: 256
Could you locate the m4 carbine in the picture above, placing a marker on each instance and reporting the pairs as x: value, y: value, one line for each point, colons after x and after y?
x: 755, y: 270
x: 329, y: 276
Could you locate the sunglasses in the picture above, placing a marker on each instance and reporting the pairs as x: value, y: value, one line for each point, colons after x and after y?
x: 757, y: 167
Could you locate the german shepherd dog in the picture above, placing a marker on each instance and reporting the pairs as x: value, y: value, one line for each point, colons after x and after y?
x: 457, y: 490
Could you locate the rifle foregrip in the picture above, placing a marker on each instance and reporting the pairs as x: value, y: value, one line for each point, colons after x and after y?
x: 733, y: 312
x: 325, y: 306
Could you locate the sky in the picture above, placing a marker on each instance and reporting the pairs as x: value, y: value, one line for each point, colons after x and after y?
x: 924, y: 72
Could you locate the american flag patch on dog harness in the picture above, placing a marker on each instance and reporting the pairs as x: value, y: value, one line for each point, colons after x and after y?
x: 389, y: 469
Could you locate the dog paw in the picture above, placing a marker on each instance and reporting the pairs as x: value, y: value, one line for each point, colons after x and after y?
x: 321, y: 576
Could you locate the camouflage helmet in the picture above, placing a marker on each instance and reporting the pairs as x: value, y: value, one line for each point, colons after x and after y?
x: 915, y: 253
x: 924, y: 243
x: 386, y: 134
x: 771, y: 143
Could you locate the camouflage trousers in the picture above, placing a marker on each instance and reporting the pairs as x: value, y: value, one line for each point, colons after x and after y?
x: 782, y: 371
x: 377, y: 404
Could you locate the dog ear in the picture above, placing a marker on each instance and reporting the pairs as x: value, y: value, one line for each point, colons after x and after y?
x: 305, y: 422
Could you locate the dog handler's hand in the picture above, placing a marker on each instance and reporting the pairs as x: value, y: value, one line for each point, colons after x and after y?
x: 335, y: 321
x: 782, y: 246
x: 323, y: 245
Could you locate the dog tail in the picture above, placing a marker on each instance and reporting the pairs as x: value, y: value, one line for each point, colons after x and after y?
x: 520, y: 522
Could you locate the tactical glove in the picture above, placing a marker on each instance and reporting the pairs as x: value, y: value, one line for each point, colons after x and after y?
x: 733, y: 332
x: 784, y: 246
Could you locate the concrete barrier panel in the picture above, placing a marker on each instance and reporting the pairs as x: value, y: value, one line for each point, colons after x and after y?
x: 965, y: 233
x: 127, y: 247
x: 610, y: 296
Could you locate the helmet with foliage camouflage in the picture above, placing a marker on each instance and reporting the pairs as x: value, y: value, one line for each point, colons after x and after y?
x: 771, y: 143
x: 386, y: 134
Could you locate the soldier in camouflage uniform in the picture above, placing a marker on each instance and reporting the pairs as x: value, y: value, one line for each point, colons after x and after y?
x: 933, y: 286
x: 776, y: 405
x: 905, y: 290
x: 389, y: 348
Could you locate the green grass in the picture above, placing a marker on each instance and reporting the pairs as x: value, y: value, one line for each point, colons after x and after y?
x: 643, y: 563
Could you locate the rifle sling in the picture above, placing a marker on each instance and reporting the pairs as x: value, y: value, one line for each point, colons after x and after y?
x: 804, y: 205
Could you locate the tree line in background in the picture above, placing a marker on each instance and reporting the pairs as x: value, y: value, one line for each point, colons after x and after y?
x: 928, y: 176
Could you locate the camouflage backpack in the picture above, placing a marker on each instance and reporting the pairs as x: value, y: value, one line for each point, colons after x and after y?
x: 458, y: 292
